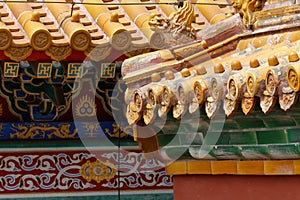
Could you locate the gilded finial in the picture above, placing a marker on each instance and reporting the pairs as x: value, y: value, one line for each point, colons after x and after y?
x: 169, y: 75
x: 35, y: 16
x: 218, y: 68
x: 155, y: 77
x: 185, y: 72
x: 204, y: 44
x: 273, y: 60
x: 254, y: 63
x: 114, y: 17
x: 236, y: 65
x: 75, y: 17
x: 293, y: 57
x: 201, y: 70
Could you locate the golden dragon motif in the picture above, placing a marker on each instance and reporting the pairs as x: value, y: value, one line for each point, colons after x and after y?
x: 177, y: 26
x: 117, y: 130
x: 247, y: 9
x: 33, y: 131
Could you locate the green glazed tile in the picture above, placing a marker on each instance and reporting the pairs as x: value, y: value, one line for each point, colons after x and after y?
x: 203, y: 126
x: 230, y: 125
x: 166, y: 139
x: 243, y: 138
x: 237, y: 138
x: 216, y: 125
x: 198, y: 139
x: 184, y: 127
x: 188, y: 138
x: 176, y: 152
x: 271, y: 137
x: 249, y: 122
x: 201, y: 152
x: 168, y: 128
x: 279, y: 121
x: 296, y: 118
x: 255, y: 152
x: 212, y: 138
x: 227, y: 152
x: 224, y: 138
x: 293, y: 135
x: 285, y: 151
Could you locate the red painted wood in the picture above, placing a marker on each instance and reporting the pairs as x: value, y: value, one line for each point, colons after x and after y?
x: 43, y: 171
x: 230, y: 187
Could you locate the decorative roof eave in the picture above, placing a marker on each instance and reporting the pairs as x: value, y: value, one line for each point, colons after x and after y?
x: 176, y: 58
x: 193, y: 52
x: 274, y: 75
x: 140, y: 15
x: 136, y: 76
x: 119, y: 37
x: 58, y: 53
x: 6, y: 37
x: 75, y: 33
x: 98, y: 52
x: 47, y: 19
x: 282, y: 15
x: 17, y: 53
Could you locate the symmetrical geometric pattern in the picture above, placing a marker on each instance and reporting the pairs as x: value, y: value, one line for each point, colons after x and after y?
x: 75, y: 70
x: 11, y: 69
x: 42, y: 171
x: 108, y: 70
x: 44, y: 70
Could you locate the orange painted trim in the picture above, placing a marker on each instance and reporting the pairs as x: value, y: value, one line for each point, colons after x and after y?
x: 297, y: 167
x: 250, y: 167
x: 283, y: 167
x: 176, y: 168
x: 224, y: 167
x: 233, y: 167
x: 198, y: 167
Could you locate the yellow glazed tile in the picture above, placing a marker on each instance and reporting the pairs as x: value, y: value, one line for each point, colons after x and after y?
x: 279, y: 167
x: 296, y: 166
x: 199, y: 167
x: 224, y: 167
x: 177, y: 168
x: 250, y: 167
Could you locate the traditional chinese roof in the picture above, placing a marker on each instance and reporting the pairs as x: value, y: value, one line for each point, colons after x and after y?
x: 229, y: 63
x: 94, y: 27
x: 237, y: 82
x: 43, y: 46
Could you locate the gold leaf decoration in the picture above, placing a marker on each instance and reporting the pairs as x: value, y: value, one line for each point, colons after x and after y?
x: 98, y: 171
x: 86, y: 107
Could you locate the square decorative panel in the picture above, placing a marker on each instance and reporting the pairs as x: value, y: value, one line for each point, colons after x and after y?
x: 75, y: 70
x: 108, y: 70
x: 11, y: 69
x: 44, y: 70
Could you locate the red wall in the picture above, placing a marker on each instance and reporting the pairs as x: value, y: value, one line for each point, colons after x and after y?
x: 230, y: 187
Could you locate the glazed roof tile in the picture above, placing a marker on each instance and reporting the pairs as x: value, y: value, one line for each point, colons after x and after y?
x: 48, y: 27
x: 242, y: 66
